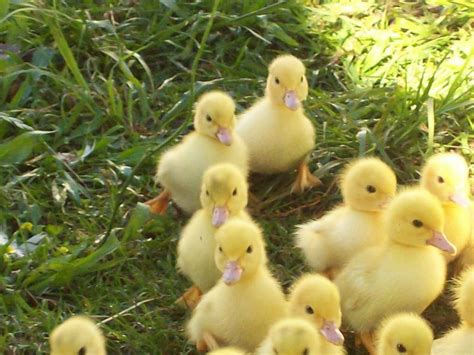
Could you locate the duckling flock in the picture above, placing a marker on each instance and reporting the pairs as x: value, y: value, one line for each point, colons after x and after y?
x: 379, y: 259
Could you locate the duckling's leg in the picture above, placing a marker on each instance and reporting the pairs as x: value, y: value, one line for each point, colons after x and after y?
x: 190, y: 298
x: 159, y: 204
x: 304, y: 179
x: 207, y: 343
x: 368, y: 342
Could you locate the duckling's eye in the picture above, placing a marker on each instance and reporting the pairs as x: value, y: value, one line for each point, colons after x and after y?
x: 440, y: 179
x: 275, y: 351
x: 207, y: 193
x: 417, y: 223
x: 220, y: 249
x: 249, y: 249
x: 371, y: 189
x: 309, y: 310
x: 401, y: 348
x: 306, y: 351
x: 234, y: 193
x: 277, y: 81
x: 208, y: 118
x: 82, y: 351
x: 302, y: 81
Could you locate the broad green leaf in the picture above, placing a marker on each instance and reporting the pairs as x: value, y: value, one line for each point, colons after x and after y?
x: 20, y: 148
x: 140, y: 215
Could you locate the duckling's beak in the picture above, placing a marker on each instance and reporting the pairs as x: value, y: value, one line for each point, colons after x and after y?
x: 291, y: 100
x: 332, y: 333
x: 232, y: 273
x: 460, y: 198
x: 219, y: 216
x: 224, y: 136
x: 384, y: 204
x: 440, y: 241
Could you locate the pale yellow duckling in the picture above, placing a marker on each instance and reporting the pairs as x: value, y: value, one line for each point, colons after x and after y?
x: 244, y: 304
x: 223, y: 196
x: 227, y: 351
x: 214, y: 140
x: 404, y: 333
x: 404, y: 275
x: 367, y: 185
x: 77, y: 335
x: 291, y: 336
x: 461, y: 339
x: 316, y: 299
x: 446, y: 175
x: 278, y: 134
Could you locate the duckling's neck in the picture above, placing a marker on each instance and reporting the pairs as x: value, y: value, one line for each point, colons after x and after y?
x: 248, y: 279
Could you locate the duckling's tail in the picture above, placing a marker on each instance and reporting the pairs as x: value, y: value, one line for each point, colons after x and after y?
x: 313, y: 246
x: 464, y: 297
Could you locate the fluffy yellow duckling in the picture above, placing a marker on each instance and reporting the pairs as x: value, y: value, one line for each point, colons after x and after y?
x: 278, y: 134
x: 227, y: 351
x: 77, y: 335
x: 223, y: 196
x: 446, y: 175
x: 291, y: 336
x: 367, y: 185
x: 404, y: 275
x: 404, y: 333
x: 244, y: 304
x: 180, y: 169
x: 461, y: 339
x: 316, y: 299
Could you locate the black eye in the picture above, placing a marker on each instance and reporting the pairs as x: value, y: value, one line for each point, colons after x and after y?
x: 309, y: 310
x: 82, y: 351
x: 306, y: 351
x: 417, y: 223
x: 302, y: 81
x: 207, y: 193
x: 275, y: 351
x: 208, y: 118
x: 249, y: 249
x: 401, y: 348
x: 234, y: 192
x: 371, y: 189
x: 277, y: 81
x: 440, y: 179
x: 220, y: 249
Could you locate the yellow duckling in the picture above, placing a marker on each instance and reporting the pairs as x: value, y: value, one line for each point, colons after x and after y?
x: 446, y: 175
x: 316, y: 299
x: 77, y: 335
x: 404, y: 333
x: 278, y: 134
x: 223, y: 196
x: 367, y: 185
x: 227, y: 351
x: 291, y: 336
x: 180, y: 169
x: 404, y: 275
x: 461, y: 339
x: 244, y: 304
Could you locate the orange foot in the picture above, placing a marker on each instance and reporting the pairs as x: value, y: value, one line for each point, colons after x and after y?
x: 207, y: 343
x: 367, y: 340
x: 190, y: 298
x: 304, y: 179
x: 159, y: 204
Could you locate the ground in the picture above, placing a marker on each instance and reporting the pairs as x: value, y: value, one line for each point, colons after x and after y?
x: 93, y: 92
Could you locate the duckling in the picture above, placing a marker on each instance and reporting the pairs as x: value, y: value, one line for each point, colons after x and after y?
x: 240, y: 309
x: 223, y: 196
x: 316, y: 299
x: 405, y: 274
x: 461, y: 339
x: 367, y: 185
x: 227, y: 351
x: 180, y: 169
x: 404, y: 333
x: 446, y: 175
x: 77, y: 335
x: 291, y: 336
x: 278, y: 134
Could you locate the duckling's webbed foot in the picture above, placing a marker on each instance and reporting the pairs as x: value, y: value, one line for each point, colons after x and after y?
x: 305, y: 179
x: 159, y: 204
x: 190, y: 298
x: 368, y: 342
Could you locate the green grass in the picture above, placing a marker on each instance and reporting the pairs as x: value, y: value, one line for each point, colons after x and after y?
x: 92, y: 92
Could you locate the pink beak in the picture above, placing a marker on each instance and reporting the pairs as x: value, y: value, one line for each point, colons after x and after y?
x: 224, y: 136
x: 440, y: 241
x: 332, y: 333
x: 291, y: 100
x: 232, y: 273
x: 219, y: 216
x: 460, y: 199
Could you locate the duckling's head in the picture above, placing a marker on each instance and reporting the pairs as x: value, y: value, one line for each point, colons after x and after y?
x: 464, y: 297
x: 446, y: 175
x: 316, y: 299
x: 286, y: 83
x: 215, y: 116
x: 223, y: 192
x: 77, y: 335
x: 368, y: 184
x: 293, y: 336
x: 415, y: 218
x: 240, y: 250
x: 405, y: 334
